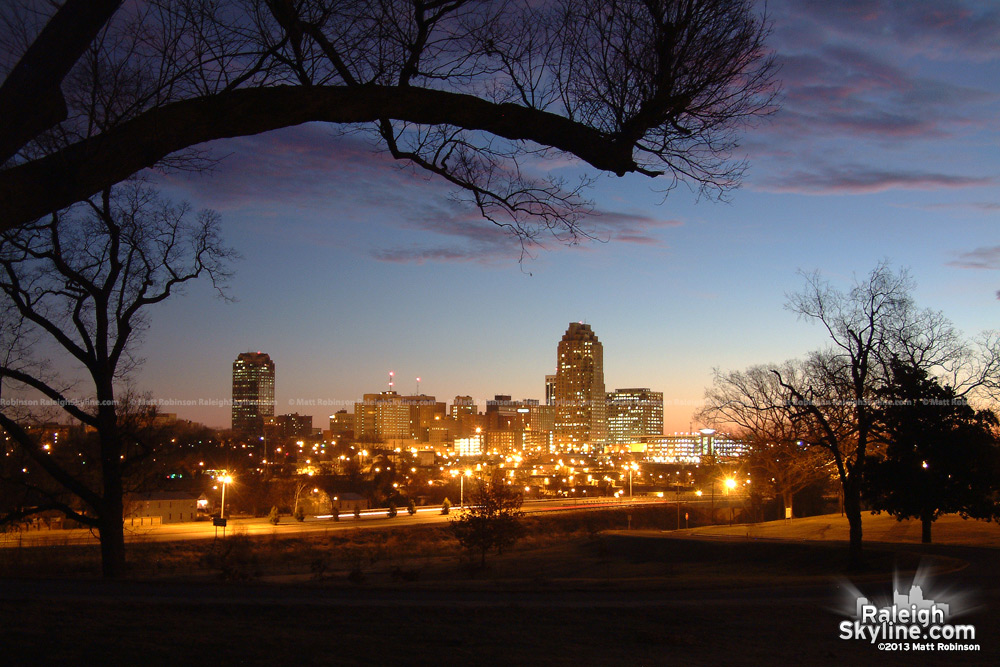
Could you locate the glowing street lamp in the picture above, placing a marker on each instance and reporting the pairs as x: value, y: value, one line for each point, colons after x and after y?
x: 461, y: 489
x: 730, y: 485
x: 225, y: 479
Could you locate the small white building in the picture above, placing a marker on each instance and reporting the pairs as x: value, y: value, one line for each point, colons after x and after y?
x: 348, y: 502
x: 167, y: 506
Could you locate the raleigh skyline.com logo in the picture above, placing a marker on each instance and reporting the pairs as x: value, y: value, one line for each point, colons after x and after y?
x: 909, y: 623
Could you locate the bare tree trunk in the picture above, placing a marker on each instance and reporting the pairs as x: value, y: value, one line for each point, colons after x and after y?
x: 926, y: 521
x: 112, y: 541
x: 112, y: 515
x: 111, y: 519
x: 852, y: 508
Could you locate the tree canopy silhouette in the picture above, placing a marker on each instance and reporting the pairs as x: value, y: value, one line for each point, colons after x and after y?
x: 940, y: 454
x: 80, y: 283
x: 464, y: 90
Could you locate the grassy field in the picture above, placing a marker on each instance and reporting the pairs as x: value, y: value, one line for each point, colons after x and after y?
x: 571, y: 547
x: 576, y: 590
x: 948, y: 529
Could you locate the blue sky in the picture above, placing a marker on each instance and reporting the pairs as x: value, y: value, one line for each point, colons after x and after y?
x: 885, y: 147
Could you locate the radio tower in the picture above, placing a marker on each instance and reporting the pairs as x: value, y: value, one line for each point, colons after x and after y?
x: 418, y: 386
x: 391, y: 375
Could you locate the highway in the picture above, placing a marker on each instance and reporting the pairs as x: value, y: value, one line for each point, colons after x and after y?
x: 369, y: 519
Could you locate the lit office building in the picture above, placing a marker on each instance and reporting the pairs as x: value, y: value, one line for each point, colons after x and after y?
x: 633, y: 413
x: 550, y: 390
x: 289, y: 426
x: 389, y: 417
x: 426, y: 413
x: 685, y: 448
x: 382, y: 417
x: 581, y: 423
x: 461, y: 406
x: 253, y: 392
x: 342, y: 424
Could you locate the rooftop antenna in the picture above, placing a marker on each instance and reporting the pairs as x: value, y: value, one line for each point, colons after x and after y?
x: 418, y: 386
x: 391, y: 375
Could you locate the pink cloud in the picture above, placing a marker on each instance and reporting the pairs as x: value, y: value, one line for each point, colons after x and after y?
x: 980, y: 258
x: 865, y: 180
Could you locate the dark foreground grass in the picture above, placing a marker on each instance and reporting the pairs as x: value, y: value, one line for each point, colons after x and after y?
x: 567, y: 595
x: 569, y: 546
x: 114, y: 633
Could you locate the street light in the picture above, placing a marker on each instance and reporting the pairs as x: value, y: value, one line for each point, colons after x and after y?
x: 225, y: 479
x: 730, y: 485
x: 461, y: 488
x: 677, y: 498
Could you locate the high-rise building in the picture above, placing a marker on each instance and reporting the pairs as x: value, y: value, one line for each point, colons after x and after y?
x: 425, y: 414
x: 632, y: 413
x: 388, y: 416
x: 289, y: 426
x: 253, y: 392
x: 581, y: 423
x: 462, y: 405
x: 384, y: 416
x: 342, y: 424
x: 550, y: 390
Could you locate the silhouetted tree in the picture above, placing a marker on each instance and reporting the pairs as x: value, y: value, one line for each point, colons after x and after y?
x: 79, y: 282
x: 492, y: 519
x: 870, y: 325
x: 464, y: 90
x: 754, y: 405
x: 941, y: 455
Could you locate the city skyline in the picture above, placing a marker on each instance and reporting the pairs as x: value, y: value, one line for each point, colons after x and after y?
x: 583, y: 413
x: 883, y: 148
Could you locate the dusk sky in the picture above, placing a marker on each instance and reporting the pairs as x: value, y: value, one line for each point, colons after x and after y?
x: 886, y: 147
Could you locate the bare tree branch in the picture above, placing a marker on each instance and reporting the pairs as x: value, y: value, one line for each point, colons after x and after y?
x: 629, y: 87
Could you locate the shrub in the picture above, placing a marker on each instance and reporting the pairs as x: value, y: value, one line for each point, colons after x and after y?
x: 445, y: 506
x: 336, y: 513
x: 411, y: 507
x: 299, y: 514
x: 235, y: 557
x: 273, y: 516
x: 492, y: 520
x: 392, y: 511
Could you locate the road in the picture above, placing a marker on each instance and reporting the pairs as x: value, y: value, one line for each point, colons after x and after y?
x: 369, y: 519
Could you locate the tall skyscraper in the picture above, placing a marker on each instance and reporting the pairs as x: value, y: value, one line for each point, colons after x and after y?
x: 253, y: 392
x: 632, y: 413
x: 581, y: 422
